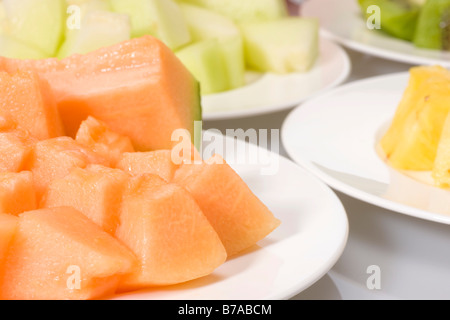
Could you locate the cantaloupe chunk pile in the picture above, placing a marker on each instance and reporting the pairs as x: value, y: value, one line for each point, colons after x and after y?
x: 89, y: 215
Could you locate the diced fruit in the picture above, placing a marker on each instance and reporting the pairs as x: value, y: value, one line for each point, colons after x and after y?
x: 433, y: 26
x: 98, y: 29
x: 160, y: 18
x: 238, y: 216
x: 12, y: 48
x: 153, y: 162
x: 59, y: 254
x: 441, y: 167
x: 412, y: 140
x: 168, y: 232
x: 399, y: 18
x: 28, y: 100
x: 8, y: 227
x: 101, y: 140
x: 39, y: 23
x: 248, y: 10
x: 229, y: 42
x: 205, y: 61
x: 124, y: 86
x: 95, y: 191
x: 219, y: 26
x: 281, y: 46
x: 15, y: 149
x: 17, y: 193
x: 55, y: 158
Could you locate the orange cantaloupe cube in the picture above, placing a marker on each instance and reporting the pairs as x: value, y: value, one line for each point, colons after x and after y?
x: 152, y: 162
x: 29, y: 101
x: 139, y: 88
x: 95, y: 191
x: 59, y: 254
x: 55, y: 158
x: 8, y: 227
x: 162, y: 224
x: 17, y: 192
x: 98, y: 137
x: 15, y: 148
x: 238, y: 216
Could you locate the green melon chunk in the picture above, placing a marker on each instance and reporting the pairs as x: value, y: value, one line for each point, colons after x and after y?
x: 245, y: 10
x: 204, y: 60
x: 281, y: 46
x: 37, y: 23
x: 160, y: 18
x: 98, y: 29
x: 15, y: 49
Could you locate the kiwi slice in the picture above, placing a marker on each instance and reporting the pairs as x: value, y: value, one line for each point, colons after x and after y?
x: 398, y: 17
x: 433, y: 26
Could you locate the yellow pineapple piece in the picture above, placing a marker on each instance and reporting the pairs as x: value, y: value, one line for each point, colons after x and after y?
x: 441, y: 169
x: 412, y: 140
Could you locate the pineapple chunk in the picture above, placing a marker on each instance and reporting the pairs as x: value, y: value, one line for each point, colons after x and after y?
x: 411, y: 142
x: 441, y: 169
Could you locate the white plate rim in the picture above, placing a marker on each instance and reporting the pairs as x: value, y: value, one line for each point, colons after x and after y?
x: 342, y: 187
x: 380, y: 52
x: 267, y: 109
x: 338, y: 243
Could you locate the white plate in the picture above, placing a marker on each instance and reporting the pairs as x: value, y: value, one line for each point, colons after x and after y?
x: 271, y: 93
x: 335, y: 137
x: 342, y: 21
x: 304, y: 248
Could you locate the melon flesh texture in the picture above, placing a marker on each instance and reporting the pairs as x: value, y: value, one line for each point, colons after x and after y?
x: 55, y: 158
x: 13, y: 48
x: 153, y: 162
x: 95, y: 191
x: 39, y: 24
x: 97, y: 29
x: 174, y: 242
x: 8, y: 227
x: 248, y: 10
x: 228, y: 35
x: 160, y: 18
x: 17, y: 193
x: 28, y: 100
x: 53, y: 248
x: 238, y: 216
x: 15, y: 149
x: 110, y: 145
x: 282, y: 46
x: 124, y: 86
x: 205, y: 61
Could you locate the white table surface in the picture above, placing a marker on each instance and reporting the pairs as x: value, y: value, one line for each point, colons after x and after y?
x: 413, y: 255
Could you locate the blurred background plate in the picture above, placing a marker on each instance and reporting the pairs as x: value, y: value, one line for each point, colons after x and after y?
x: 343, y: 22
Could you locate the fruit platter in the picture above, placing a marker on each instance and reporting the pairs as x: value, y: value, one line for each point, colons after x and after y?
x: 234, y: 51
x: 105, y: 190
x: 406, y: 31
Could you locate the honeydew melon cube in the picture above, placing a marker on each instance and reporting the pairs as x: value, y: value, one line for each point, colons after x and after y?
x: 281, y: 46
x: 205, y: 24
x: 15, y: 49
x: 245, y: 10
x: 160, y: 18
x: 38, y: 23
x: 204, y: 60
x: 98, y: 29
